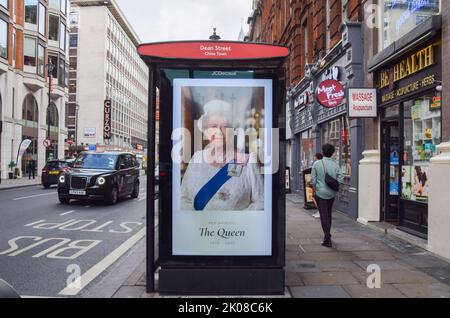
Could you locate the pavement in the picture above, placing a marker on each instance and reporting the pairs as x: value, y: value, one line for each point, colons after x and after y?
x: 7, y: 184
x: 313, y: 271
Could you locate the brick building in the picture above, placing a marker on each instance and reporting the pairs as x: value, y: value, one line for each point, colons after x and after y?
x: 313, y: 30
x: 397, y: 48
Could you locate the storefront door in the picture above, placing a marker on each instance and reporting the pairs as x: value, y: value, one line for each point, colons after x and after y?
x: 390, y: 172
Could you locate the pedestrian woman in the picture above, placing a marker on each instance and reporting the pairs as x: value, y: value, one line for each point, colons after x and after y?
x: 317, y: 156
x: 324, y: 195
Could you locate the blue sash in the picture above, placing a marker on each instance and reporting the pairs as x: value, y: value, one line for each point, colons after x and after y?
x: 211, y: 187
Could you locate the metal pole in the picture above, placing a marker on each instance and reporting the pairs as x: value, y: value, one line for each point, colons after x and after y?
x: 151, y: 125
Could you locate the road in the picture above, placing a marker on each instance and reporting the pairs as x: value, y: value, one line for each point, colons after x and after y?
x: 52, y: 250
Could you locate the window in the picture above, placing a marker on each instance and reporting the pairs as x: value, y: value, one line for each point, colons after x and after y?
x: 422, y: 133
x: 327, y: 25
x: 53, y: 31
x: 305, y: 47
x: 52, y: 116
x: 54, y: 61
x: 400, y: 17
x: 307, y: 149
x: 55, y: 4
x: 31, y: 11
x: 62, y: 36
x: 41, y: 60
x: 73, y: 39
x: 61, y: 72
x: 73, y: 19
x: 64, y: 6
x: 3, y: 38
x: 30, y: 111
x: 29, y: 52
x: 14, y: 47
x: 337, y: 133
x: 42, y: 19
x: 4, y: 3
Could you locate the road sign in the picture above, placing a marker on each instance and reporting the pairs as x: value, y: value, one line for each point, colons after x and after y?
x: 47, y: 143
x: 70, y: 142
x: 92, y: 147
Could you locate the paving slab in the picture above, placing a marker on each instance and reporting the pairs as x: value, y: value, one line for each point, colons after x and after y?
x: 399, y: 277
x: 328, y: 278
x: 424, y: 290
x: 319, y: 292
x: 374, y: 255
x: 362, y: 291
x: 385, y: 265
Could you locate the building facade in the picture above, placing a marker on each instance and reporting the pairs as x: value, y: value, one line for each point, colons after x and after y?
x: 33, y: 34
x: 325, y: 40
x: 106, y: 70
x: 407, y: 72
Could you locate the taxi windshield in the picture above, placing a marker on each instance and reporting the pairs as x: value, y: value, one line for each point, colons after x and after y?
x: 96, y: 161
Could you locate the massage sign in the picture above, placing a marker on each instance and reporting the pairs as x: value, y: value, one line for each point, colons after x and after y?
x: 330, y: 93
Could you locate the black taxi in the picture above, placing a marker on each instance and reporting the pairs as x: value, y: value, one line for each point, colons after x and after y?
x: 104, y: 176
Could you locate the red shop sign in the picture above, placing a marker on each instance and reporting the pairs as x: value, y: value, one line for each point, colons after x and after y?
x: 330, y: 93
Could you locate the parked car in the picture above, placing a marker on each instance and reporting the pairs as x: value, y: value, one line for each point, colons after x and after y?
x: 52, y: 170
x: 100, y: 176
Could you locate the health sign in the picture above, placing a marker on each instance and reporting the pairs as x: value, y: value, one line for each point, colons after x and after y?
x: 330, y: 93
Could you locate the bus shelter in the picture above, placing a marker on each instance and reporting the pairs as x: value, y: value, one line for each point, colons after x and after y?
x: 217, y: 111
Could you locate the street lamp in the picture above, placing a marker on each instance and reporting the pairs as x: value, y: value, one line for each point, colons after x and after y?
x: 50, y: 68
x: 77, y: 107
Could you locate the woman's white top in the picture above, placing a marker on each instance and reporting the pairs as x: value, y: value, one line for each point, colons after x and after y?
x: 245, y: 192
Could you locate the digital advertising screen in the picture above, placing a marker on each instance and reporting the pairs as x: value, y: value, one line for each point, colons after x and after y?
x: 222, y: 167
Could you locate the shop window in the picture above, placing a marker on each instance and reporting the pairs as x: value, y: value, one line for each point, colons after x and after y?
x: 53, y: 31
x: 31, y: 8
x: 422, y: 133
x: 29, y: 55
x: 307, y: 150
x: 400, y: 17
x: 3, y: 39
x: 337, y: 133
x: 42, y: 15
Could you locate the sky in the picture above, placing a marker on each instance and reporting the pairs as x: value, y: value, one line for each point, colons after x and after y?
x: 170, y: 20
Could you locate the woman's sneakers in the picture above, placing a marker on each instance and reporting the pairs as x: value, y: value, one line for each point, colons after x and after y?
x: 327, y: 243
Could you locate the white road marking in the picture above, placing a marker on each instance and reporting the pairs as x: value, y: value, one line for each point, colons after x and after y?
x: 101, y: 266
x: 87, y: 206
x: 142, y: 199
x: 68, y: 212
x: 34, y: 196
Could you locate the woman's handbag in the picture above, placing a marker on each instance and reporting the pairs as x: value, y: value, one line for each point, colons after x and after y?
x: 331, y: 182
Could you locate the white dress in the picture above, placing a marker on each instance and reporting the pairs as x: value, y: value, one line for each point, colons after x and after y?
x: 245, y: 192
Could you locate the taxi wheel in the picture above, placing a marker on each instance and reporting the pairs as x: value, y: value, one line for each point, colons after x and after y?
x: 64, y: 200
x: 135, y: 193
x: 112, y: 197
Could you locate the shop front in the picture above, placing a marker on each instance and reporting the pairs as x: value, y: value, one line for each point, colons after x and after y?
x: 303, y: 141
x: 410, y: 132
x: 320, y: 116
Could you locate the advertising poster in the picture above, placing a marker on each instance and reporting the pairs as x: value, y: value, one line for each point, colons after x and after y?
x: 309, y: 191
x: 420, y: 183
x: 406, y: 182
x: 222, y: 167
